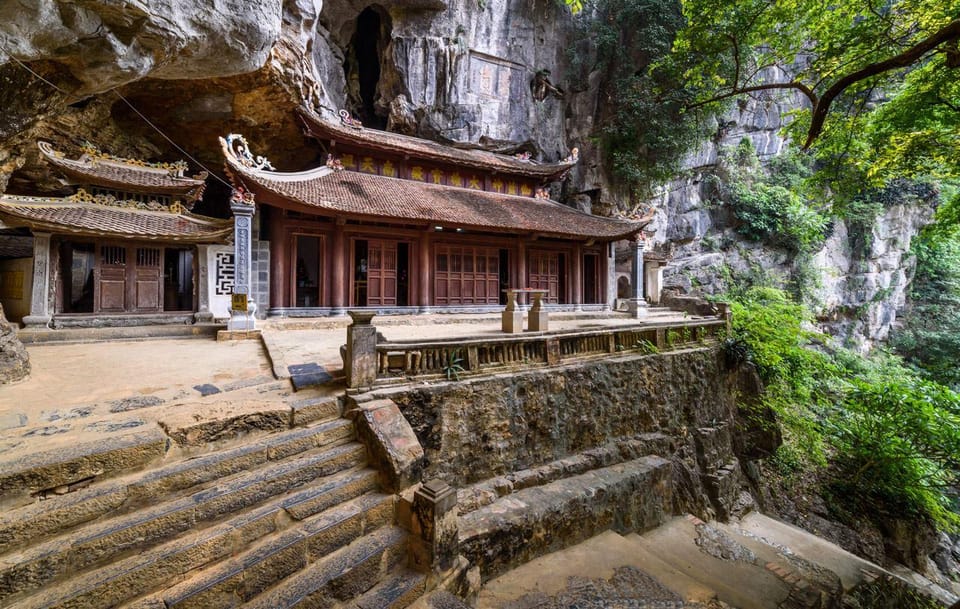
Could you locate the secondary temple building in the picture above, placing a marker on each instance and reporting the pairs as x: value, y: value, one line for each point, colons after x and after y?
x: 122, y: 249
x: 404, y: 224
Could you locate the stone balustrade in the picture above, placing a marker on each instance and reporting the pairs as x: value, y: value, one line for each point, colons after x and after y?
x: 454, y: 358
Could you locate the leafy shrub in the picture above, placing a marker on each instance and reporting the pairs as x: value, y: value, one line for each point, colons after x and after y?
x: 898, y: 449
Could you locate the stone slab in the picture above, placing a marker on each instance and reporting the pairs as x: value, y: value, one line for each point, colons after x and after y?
x: 393, y: 445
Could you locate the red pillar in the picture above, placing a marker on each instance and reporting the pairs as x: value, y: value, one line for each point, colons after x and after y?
x: 338, y: 294
x: 423, y: 273
x: 577, y: 277
x: 279, y: 289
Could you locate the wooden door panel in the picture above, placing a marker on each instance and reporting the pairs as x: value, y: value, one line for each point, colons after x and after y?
x: 112, y: 295
x: 381, y: 273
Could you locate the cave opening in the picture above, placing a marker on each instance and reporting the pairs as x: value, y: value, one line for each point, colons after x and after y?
x: 367, y: 46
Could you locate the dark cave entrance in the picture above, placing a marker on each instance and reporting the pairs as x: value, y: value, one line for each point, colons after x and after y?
x: 363, y: 74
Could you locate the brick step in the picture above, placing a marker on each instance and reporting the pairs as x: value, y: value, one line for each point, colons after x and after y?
x: 164, y: 565
x: 396, y: 591
x: 115, y: 538
x: 239, y: 579
x: 43, y: 519
x: 340, y: 576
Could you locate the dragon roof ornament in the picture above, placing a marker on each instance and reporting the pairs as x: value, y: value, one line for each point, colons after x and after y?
x: 236, y: 147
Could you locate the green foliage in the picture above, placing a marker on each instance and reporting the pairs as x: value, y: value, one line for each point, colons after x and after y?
x: 898, y: 449
x: 769, y: 202
x: 453, y: 366
x: 889, y: 440
x: 645, y: 130
x: 929, y: 337
x: 884, y: 119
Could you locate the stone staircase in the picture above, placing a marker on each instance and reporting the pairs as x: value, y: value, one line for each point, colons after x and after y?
x: 293, y: 518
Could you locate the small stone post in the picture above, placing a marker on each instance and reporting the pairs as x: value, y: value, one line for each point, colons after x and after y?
x: 636, y: 305
x: 243, y: 207
x: 360, y: 362
x: 436, y: 542
x: 512, y: 317
x: 39, y: 303
x: 538, y: 318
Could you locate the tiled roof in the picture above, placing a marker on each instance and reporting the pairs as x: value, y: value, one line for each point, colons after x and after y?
x: 374, y: 196
x: 64, y: 216
x: 124, y: 176
x: 431, y: 151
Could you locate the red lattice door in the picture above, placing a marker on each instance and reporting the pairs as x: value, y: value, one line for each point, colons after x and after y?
x: 381, y: 273
x: 543, y: 272
x: 111, y: 293
x: 147, y: 276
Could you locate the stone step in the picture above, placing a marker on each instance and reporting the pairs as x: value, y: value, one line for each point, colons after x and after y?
x: 721, y: 564
x: 396, y: 591
x: 341, y: 576
x: 111, y: 539
x: 147, y: 571
x: 675, y: 580
x: 42, y: 519
x: 61, y: 462
x: 632, y: 496
x: 241, y: 578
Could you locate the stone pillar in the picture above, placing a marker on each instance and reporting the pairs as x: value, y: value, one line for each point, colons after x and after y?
x: 577, y: 277
x: 636, y: 305
x: 40, y: 296
x: 653, y: 276
x: 436, y: 535
x: 203, y: 314
x: 610, y: 272
x: 339, y: 282
x: 423, y: 273
x: 242, y: 205
x: 360, y: 361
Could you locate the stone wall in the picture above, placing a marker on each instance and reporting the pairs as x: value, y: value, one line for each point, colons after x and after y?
x: 478, y: 429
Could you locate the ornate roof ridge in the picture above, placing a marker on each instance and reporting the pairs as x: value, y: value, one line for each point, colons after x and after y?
x: 350, y: 129
x: 123, y: 174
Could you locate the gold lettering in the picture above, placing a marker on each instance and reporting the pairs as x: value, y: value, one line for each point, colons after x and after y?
x: 437, y: 176
x: 525, y: 190
x: 367, y: 165
x: 389, y: 170
x: 416, y: 173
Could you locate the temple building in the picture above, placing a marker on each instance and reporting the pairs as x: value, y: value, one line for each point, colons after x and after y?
x: 123, y: 249
x: 402, y: 224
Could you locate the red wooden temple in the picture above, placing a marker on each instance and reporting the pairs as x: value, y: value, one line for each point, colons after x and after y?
x: 123, y: 244
x: 403, y: 224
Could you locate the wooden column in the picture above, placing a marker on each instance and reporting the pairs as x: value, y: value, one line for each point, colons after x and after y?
x: 338, y: 266
x: 279, y: 259
x: 576, y: 272
x: 521, y: 264
x: 423, y: 273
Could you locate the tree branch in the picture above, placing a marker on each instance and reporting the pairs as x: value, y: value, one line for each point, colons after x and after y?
x: 773, y: 86
x: 948, y: 33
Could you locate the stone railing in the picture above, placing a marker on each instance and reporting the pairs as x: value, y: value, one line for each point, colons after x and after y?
x: 454, y: 358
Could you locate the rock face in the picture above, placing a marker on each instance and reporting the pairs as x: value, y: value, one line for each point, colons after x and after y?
x: 14, y: 359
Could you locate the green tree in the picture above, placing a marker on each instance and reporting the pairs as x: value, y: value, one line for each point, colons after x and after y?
x: 879, y: 79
